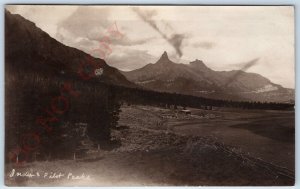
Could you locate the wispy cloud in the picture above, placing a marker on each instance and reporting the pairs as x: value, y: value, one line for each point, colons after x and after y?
x: 130, y: 59
x: 204, y: 45
x: 175, y: 40
x: 244, y: 67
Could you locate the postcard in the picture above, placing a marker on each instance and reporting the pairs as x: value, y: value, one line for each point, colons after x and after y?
x: 133, y: 95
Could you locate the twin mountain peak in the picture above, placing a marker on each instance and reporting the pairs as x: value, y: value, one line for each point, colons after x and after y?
x: 164, y: 59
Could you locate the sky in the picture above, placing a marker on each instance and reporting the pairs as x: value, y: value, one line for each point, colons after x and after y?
x: 257, y: 39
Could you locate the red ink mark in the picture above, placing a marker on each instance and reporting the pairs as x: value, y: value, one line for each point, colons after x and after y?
x: 44, y: 122
x: 114, y: 31
x: 30, y: 141
x: 86, y: 70
x: 67, y: 88
x: 18, y: 155
x: 59, y: 101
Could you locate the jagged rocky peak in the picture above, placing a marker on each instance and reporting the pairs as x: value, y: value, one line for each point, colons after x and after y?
x: 164, y: 58
x: 164, y: 55
x: 198, y: 63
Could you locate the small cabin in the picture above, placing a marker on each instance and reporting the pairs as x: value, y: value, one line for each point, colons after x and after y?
x: 207, y: 107
x: 186, y: 112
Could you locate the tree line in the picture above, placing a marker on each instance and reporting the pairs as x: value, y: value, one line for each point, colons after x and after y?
x: 41, y: 127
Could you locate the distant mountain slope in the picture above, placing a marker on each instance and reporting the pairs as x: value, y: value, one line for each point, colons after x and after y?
x: 28, y: 48
x: 197, y: 79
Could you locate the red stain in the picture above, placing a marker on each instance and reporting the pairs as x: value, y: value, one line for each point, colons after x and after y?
x: 86, y: 70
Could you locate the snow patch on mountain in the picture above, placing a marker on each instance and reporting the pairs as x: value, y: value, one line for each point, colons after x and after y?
x: 267, y: 88
x: 145, y: 82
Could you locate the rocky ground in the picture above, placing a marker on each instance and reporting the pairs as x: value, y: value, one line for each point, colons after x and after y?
x: 152, y: 153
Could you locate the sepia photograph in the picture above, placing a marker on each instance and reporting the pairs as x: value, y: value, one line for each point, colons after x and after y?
x: 156, y: 95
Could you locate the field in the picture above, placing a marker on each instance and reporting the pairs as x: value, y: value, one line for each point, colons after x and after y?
x: 167, y: 147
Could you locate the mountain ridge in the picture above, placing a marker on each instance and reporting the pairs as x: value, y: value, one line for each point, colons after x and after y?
x: 30, y: 49
x: 198, y: 79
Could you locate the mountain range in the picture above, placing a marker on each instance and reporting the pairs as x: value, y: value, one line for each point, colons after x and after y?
x: 197, y: 79
x: 29, y: 49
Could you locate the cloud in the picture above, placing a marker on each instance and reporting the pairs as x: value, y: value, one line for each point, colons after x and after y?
x: 249, y: 64
x: 86, y: 21
x: 130, y: 59
x: 87, y: 27
x: 11, y: 8
x: 84, y: 27
x: 175, y: 40
x: 244, y: 67
x: 126, y: 41
x: 204, y: 45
